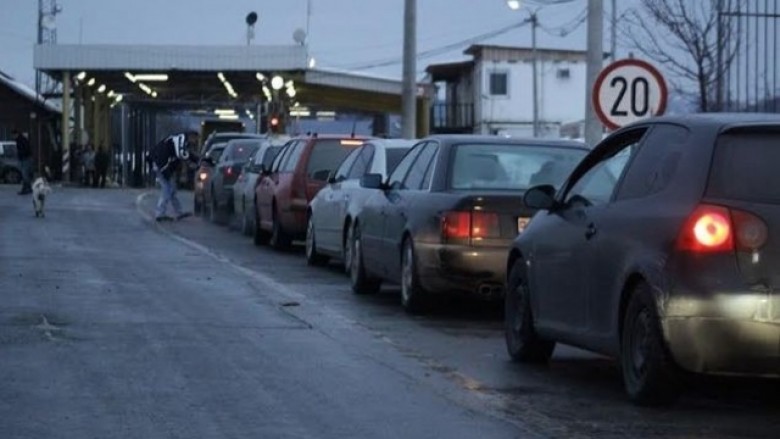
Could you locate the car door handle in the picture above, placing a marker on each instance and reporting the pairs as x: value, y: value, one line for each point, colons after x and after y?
x: 591, y: 231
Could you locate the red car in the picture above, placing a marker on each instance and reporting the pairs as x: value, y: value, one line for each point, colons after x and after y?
x: 300, y: 170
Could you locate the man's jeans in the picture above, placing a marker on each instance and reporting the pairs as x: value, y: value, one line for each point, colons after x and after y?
x: 167, y: 195
x: 25, y: 166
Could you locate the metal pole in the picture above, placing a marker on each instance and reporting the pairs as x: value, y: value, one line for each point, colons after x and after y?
x: 593, y: 128
x: 409, y: 109
x: 535, y: 58
x: 65, y: 138
x: 613, y: 31
x: 124, y: 135
x: 719, y: 55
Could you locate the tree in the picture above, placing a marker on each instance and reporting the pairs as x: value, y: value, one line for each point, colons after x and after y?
x: 693, y: 40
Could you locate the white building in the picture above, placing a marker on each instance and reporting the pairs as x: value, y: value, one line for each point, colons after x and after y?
x: 493, y: 93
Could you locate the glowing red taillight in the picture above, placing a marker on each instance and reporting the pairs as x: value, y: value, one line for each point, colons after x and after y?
x: 474, y: 225
x: 712, y: 229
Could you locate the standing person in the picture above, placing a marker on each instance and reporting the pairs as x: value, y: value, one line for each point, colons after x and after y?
x: 88, y: 159
x: 24, y: 153
x: 166, y: 156
x: 101, y: 167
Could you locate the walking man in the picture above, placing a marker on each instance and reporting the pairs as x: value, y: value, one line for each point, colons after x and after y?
x: 24, y: 154
x: 166, y: 157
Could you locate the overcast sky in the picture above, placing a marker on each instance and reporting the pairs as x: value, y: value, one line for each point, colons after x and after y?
x: 344, y: 33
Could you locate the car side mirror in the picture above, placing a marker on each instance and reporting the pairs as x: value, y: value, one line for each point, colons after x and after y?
x: 372, y: 181
x: 540, y: 197
x: 262, y: 169
x: 332, y: 177
x: 321, y: 175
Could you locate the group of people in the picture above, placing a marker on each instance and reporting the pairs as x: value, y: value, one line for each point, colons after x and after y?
x: 94, y: 165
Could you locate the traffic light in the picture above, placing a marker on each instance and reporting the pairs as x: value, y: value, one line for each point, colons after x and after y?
x: 274, y: 124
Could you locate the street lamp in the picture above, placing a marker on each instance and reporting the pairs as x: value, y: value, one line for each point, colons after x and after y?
x: 533, y: 20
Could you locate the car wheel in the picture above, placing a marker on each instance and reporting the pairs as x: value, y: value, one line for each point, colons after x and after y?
x: 360, y: 281
x: 648, y: 372
x: 312, y: 256
x: 197, y: 207
x: 261, y: 237
x: 413, y: 298
x: 522, y: 341
x: 12, y: 176
x: 246, y: 226
x: 279, y: 239
x: 348, y: 249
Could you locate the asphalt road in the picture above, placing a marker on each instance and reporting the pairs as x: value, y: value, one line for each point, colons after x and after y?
x: 113, y: 326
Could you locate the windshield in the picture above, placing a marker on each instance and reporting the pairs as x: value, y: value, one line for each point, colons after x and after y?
x: 327, y: 155
x: 745, y: 167
x: 511, y: 167
x: 394, y: 156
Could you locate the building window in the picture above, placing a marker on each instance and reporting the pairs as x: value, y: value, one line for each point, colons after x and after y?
x: 499, y: 84
x: 563, y: 73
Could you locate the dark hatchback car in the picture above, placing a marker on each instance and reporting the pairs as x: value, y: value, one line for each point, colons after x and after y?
x: 225, y: 174
x: 445, y: 218
x: 662, y: 249
x: 203, y: 175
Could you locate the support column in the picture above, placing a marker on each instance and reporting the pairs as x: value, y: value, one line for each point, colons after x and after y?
x: 125, y: 141
x: 423, y: 117
x: 65, y: 137
x: 97, y: 111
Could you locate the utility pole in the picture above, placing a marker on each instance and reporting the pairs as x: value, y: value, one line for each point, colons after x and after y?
x: 613, y: 31
x: 408, y: 100
x: 535, y: 56
x: 593, y: 128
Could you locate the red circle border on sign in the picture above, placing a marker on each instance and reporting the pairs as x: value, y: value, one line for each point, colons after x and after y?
x: 595, y: 101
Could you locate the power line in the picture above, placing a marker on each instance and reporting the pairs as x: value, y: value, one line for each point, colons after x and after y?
x: 441, y: 49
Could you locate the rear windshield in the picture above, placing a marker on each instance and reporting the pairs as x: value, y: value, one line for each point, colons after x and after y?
x: 745, y: 167
x: 511, y: 167
x: 242, y: 151
x: 327, y: 155
x: 394, y: 156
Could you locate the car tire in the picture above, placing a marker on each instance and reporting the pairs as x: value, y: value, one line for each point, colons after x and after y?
x: 260, y: 236
x: 313, y: 258
x: 246, y: 225
x: 414, y: 299
x: 12, y: 176
x: 347, y: 250
x: 360, y: 280
x: 522, y: 342
x: 649, y: 374
x: 279, y: 239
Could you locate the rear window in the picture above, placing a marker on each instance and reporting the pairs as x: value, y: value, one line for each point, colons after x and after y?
x: 327, y: 155
x: 394, y: 156
x: 511, y: 167
x: 745, y: 167
x: 241, y: 152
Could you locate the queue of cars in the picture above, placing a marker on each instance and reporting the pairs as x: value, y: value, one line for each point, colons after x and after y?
x: 658, y: 247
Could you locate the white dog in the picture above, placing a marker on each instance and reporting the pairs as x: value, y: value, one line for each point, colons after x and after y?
x: 40, y: 189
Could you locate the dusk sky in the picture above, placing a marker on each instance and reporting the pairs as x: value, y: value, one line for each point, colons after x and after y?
x: 346, y: 34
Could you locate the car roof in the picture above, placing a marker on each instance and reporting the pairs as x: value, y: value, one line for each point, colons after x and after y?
x: 393, y: 143
x: 331, y: 137
x: 236, y: 133
x: 504, y: 140
x: 715, y: 121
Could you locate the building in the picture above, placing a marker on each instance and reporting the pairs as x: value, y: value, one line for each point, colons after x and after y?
x: 492, y: 93
x: 21, y: 109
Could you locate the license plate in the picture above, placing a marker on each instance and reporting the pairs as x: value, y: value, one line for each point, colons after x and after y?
x: 522, y: 223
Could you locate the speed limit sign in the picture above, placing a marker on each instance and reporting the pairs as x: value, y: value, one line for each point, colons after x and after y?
x: 628, y: 90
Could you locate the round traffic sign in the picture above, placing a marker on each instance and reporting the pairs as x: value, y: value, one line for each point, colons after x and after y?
x: 628, y: 90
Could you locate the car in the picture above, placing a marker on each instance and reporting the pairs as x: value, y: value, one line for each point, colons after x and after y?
x: 10, y: 172
x: 331, y: 212
x: 224, y: 175
x: 244, y: 190
x: 299, y: 172
x: 443, y: 221
x: 227, y: 136
x: 202, y: 187
x: 661, y: 250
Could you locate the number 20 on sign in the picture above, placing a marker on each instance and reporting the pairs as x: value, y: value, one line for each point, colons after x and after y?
x: 627, y: 91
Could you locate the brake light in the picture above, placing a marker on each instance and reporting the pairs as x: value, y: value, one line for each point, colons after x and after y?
x: 474, y: 225
x: 228, y: 171
x: 352, y: 143
x: 708, y: 230
x: 712, y: 229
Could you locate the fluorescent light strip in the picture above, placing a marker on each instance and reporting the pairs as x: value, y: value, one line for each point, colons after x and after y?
x: 151, y: 77
x: 224, y: 111
x: 228, y: 116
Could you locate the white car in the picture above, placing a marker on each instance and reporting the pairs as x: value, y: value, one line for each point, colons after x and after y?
x: 332, y: 210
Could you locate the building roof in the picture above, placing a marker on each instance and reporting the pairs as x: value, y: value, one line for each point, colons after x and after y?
x: 448, y: 71
x: 27, y: 93
x: 523, y: 53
